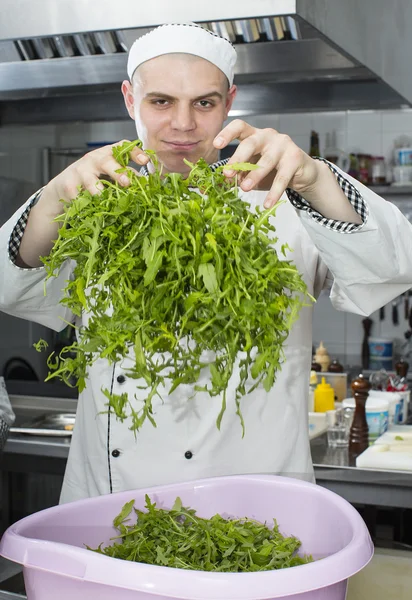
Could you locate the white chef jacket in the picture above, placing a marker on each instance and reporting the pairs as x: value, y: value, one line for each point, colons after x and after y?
x: 363, y: 269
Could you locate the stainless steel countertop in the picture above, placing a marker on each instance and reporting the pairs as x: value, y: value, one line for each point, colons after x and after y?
x: 27, y: 407
x: 333, y: 468
x: 11, y: 596
x: 19, y: 443
x: 378, y: 487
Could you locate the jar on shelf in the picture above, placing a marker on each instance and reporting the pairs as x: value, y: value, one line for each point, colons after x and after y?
x: 378, y: 170
x: 364, y: 164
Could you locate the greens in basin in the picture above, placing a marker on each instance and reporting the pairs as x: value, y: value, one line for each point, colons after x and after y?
x: 180, y: 538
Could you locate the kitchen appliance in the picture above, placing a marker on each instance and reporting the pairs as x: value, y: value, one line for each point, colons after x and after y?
x: 7, y: 415
x: 51, y: 544
x: 52, y: 424
x: 292, y: 55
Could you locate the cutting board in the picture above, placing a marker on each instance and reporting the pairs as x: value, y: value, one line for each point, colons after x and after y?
x: 392, y: 451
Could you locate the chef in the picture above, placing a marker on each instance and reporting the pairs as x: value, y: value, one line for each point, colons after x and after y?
x: 345, y: 239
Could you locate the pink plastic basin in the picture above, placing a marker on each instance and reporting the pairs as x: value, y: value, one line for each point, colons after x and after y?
x: 49, y: 544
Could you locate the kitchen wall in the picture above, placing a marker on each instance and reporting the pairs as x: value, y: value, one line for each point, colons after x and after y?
x: 371, y: 132
x: 361, y: 131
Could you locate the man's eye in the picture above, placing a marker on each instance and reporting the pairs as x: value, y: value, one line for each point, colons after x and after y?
x: 160, y: 102
x: 205, y: 103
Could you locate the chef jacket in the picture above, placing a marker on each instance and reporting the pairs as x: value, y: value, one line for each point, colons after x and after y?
x: 363, y: 267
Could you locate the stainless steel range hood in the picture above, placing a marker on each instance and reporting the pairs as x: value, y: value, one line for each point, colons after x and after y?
x: 293, y: 55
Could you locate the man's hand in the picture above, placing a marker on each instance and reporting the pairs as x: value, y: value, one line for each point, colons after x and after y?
x: 41, y: 229
x: 86, y: 173
x: 282, y: 163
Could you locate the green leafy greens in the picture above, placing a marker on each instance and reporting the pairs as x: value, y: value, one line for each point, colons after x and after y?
x: 179, y: 538
x: 171, y: 267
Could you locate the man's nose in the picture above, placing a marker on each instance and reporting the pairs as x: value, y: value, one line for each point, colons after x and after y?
x: 183, y: 118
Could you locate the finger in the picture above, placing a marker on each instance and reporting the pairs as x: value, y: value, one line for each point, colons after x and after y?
x: 139, y: 157
x: 286, y: 171
x: 245, y: 152
x: 110, y: 167
x: 252, y: 179
x: 135, y: 171
x: 93, y: 185
x: 236, y: 130
x: 137, y: 154
x: 69, y: 190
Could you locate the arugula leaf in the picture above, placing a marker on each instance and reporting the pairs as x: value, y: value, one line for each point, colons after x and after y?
x: 181, y: 539
x: 208, y: 273
x: 170, y: 267
x: 125, y: 512
x: 242, y: 166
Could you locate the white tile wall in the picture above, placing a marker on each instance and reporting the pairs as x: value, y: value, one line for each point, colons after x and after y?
x: 329, y: 326
x: 363, y: 131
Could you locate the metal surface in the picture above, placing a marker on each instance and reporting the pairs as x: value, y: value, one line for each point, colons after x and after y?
x: 74, y: 16
x: 55, y: 425
x: 359, y: 486
x: 376, y: 33
x: 262, y: 98
x: 393, y: 190
x: 364, y: 41
x: 31, y: 409
x: 11, y: 596
x: 8, y: 52
x: 274, y: 61
x: 39, y: 446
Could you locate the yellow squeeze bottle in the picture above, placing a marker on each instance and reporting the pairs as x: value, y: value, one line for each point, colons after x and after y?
x: 324, y: 397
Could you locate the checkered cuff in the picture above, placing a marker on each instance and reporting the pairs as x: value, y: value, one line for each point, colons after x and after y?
x: 18, y: 231
x: 352, y: 194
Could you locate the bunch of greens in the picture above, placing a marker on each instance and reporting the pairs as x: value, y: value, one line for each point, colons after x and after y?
x: 179, y: 538
x: 170, y: 267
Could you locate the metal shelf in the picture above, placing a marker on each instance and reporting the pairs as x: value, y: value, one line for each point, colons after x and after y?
x: 392, y: 190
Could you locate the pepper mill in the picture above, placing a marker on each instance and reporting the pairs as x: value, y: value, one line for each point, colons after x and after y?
x: 315, y: 366
x: 401, y: 368
x: 358, y: 435
x: 335, y: 367
x: 367, y: 326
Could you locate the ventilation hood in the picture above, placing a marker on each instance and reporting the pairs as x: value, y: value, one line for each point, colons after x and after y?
x: 64, y: 61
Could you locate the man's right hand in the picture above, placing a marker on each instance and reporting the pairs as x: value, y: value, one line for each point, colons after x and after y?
x: 85, y: 173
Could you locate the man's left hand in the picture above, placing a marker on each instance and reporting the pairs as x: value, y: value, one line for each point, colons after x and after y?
x: 282, y: 163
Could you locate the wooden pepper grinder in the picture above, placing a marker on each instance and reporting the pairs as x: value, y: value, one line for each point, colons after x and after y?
x: 367, y: 326
x: 335, y: 367
x: 401, y: 368
x: 358, y: 435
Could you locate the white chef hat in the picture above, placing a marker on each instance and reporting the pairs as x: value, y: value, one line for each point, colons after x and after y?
x: 188, y: 38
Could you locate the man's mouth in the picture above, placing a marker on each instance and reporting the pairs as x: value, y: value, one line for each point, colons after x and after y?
x: 182, y: 146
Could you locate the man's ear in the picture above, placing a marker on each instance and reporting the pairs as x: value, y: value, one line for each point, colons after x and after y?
x: 230, y: 98
x: 127, y: 91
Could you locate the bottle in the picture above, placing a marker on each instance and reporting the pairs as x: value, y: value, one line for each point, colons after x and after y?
x: 314, y: 144
x: 313, y: 382
x: 315, y: 366
x: 324, y: 397
x: 401, y: 369
x: 331, y: 153
x: 322, y: 357
x: 335, y: 367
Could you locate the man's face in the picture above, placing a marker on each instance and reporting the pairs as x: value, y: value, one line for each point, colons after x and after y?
x: 179, y: 103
